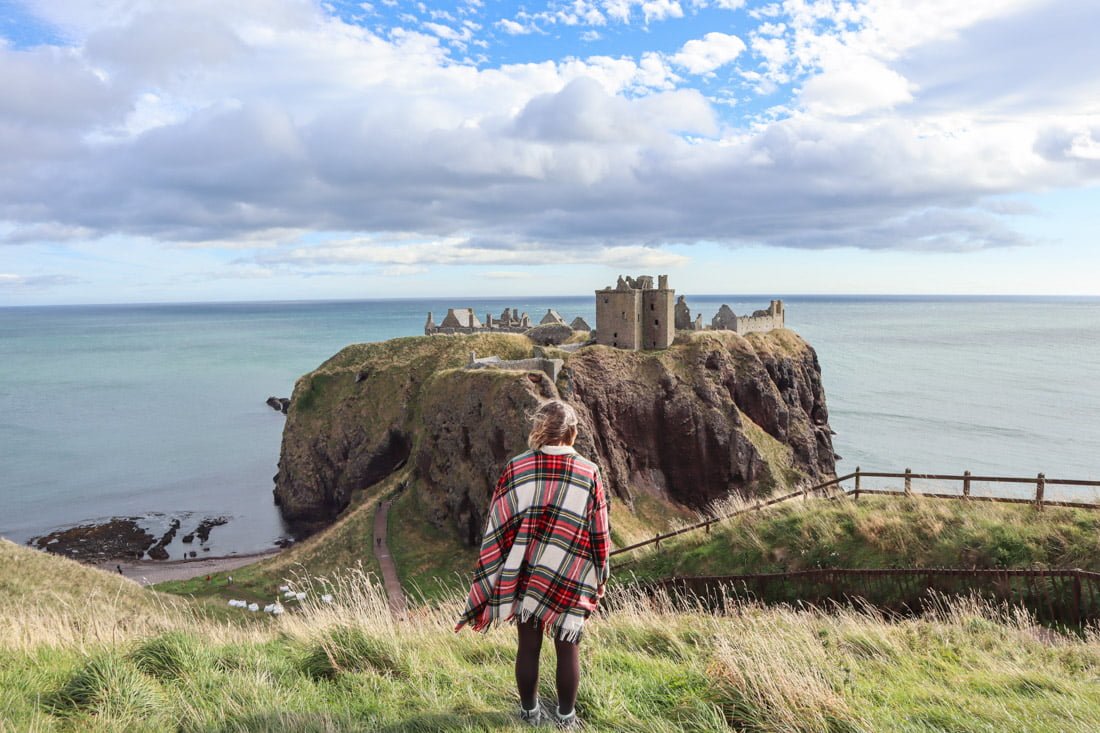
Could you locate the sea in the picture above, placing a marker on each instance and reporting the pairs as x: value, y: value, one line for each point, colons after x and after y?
x: 158, y: 411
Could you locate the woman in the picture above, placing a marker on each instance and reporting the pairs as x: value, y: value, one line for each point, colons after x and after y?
x: 544, y: 556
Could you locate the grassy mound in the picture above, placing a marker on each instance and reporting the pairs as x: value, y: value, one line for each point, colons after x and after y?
x: 49, y: 599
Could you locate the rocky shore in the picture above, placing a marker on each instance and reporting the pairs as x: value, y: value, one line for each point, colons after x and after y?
x: 123, y: 538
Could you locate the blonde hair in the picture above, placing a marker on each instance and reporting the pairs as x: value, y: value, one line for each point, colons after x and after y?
x: 553, y: 423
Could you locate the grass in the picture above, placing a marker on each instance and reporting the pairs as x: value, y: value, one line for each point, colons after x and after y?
x: 782, y: 476
x: 651, y: 514
x: 648, y: 666
x: 883, y: 532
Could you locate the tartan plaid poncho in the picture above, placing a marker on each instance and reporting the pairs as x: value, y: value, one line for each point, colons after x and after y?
x: 546, y: 545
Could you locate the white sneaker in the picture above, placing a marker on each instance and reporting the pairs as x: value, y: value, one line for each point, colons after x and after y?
x: 567, y: 722
x: 531, y: 717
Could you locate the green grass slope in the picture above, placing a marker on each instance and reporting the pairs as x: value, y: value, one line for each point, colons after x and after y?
x: 50, y: 599
x: 883, y: 532
x: 647, y: 667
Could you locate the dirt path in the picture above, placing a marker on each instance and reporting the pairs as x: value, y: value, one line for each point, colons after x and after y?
x: 149, y: 572
x: 389, y: 570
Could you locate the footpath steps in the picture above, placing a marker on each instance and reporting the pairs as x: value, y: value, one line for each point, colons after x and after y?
x: 390, y: 580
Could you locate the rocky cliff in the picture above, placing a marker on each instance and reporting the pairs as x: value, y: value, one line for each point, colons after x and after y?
x: 713, y: 416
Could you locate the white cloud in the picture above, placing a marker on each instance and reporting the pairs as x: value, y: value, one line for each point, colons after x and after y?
x: 774, y: 56
x: 49, y: 232
x: 651, y: 10
x: 12, y: 281
x: 407, y: 257
x: 714, y: 50
x: 513, y: 28
x: 853, y: 84
x: 403, y: 270
x: 509, y: 275
x: 288, y: 121
x: 661, y: 10
x: 448, y: 33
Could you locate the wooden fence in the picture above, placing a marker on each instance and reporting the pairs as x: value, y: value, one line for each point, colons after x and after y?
x: 967, y: 479
x: 1055, y: 596
x: 834, y: 488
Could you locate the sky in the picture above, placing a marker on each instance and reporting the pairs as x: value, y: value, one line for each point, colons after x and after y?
x: 292, y: 149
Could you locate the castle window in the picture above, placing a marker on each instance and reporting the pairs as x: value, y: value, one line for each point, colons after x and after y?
x: 652, y: 306
x: 615, y: 335
x: 605, y: 301
x: 656, y: 322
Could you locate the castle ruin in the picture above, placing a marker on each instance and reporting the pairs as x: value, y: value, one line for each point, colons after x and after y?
x: 635, y: 315
x: 463, y: 320
x: 632, y: 315
x: 725, y: 319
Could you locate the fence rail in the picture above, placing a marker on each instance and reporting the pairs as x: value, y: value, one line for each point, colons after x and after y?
x: 858, y: 476
x: 1059, y: 596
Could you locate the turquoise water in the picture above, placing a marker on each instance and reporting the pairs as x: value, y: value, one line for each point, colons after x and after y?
x: 130, y: 410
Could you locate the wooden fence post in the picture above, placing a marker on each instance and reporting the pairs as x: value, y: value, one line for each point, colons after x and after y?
x: 1040, y: 489
x: 966, y: 483
x: 1077, y: 596
x: 908, y: 482
x: 856, y: 494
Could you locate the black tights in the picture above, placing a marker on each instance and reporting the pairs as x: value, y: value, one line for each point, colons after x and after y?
x: 527, y: 668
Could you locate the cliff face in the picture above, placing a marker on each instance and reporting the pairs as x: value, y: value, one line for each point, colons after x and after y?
x: 713, y: 416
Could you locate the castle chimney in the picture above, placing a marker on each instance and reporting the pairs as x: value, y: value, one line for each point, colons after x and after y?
x: 662, y: 282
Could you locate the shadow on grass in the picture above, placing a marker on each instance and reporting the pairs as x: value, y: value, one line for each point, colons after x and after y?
x: 322, y: 723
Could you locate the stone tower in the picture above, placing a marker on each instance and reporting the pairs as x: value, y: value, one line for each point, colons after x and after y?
x: 779, y: 320
x: 635, y: 315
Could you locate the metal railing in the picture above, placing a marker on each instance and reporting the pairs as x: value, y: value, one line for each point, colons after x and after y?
x: 1058, y: 596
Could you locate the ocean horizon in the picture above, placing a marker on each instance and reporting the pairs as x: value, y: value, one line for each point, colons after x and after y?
x: 158, y: 410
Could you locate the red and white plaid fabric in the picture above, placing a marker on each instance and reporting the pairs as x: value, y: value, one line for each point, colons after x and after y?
x: 546, y: 545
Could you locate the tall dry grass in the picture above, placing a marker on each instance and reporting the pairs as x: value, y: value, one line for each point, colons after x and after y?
x: 653, y: 663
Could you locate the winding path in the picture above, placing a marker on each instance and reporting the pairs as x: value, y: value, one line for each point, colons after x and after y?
x: 390, y: 580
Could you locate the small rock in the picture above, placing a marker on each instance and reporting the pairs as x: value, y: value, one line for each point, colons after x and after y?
x: 279, y: 404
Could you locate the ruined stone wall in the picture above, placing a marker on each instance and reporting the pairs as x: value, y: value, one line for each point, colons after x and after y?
x: 758, y: 324
x: 764, y: 320
x: 549, y: 367
x: 444, y: 331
